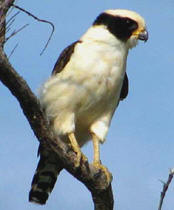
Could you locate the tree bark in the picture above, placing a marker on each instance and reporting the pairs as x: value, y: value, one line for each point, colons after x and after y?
x: 95, y: 180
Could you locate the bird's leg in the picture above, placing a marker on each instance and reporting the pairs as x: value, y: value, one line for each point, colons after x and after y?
x: 76, y: 149
x: 96, y: 161
x: 96, y: 146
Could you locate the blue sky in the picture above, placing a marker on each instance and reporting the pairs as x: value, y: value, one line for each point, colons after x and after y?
x: 139, y: 150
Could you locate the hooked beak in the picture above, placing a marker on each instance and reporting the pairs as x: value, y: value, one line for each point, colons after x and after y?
x: 143, y: 36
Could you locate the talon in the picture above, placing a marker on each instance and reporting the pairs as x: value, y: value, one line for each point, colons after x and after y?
x: 108, y: 175
x: 97, y: 163
x: 84, y: 158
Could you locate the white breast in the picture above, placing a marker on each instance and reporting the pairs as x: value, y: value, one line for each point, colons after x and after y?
x: 85, y: 94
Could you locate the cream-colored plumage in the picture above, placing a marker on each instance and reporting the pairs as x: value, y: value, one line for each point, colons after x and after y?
x: 83, y: 97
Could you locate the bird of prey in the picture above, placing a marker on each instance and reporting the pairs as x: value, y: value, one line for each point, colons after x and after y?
x: 87, y: 83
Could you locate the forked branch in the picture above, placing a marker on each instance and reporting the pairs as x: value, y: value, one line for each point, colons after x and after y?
x: 40, y: 20
x: 165, y: 188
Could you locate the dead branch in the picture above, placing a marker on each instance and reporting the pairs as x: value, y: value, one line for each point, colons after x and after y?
x: 11, y: 21
x: 4, y: 6
x: 165, y: 188
x: 11, y: 53
x: 95, y: 180
x: 15, y: 32
x: 40, y: 20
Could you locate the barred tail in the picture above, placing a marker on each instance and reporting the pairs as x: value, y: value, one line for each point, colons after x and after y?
x: 44, y: 179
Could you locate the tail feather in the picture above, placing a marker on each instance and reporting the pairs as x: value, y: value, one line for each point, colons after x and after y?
x: 45, y: 178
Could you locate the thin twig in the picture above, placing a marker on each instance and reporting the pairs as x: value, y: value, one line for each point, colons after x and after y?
x: 11, y: 21
x: 165, y: 188
x: 15, y: 32
x: 17, y: 13
x: 8, y: 22
x: 40, y: 20
x: 8, y: 28
x: 13, y: 51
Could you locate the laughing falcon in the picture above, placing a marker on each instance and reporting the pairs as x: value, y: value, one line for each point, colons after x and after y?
x: 87, y: 83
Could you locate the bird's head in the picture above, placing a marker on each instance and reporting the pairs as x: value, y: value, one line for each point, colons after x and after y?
x: 125, y: 25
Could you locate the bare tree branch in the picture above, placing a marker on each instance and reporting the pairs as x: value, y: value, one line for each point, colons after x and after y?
x: 165, y: 188
x: 11, y: 53
x: 40, y: 20
x: 4, y: 6
x: 15, y: 32
x: 11, y: 21
x: 95, y: 180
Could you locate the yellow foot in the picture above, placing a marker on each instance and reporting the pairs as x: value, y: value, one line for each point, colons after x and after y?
x: 84, y: 158
x: 99, y: 166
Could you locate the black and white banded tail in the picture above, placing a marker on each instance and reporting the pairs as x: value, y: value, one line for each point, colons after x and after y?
x: 45, y: 178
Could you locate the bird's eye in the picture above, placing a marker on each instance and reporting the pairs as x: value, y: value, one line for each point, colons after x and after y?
x: 127, y: 21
